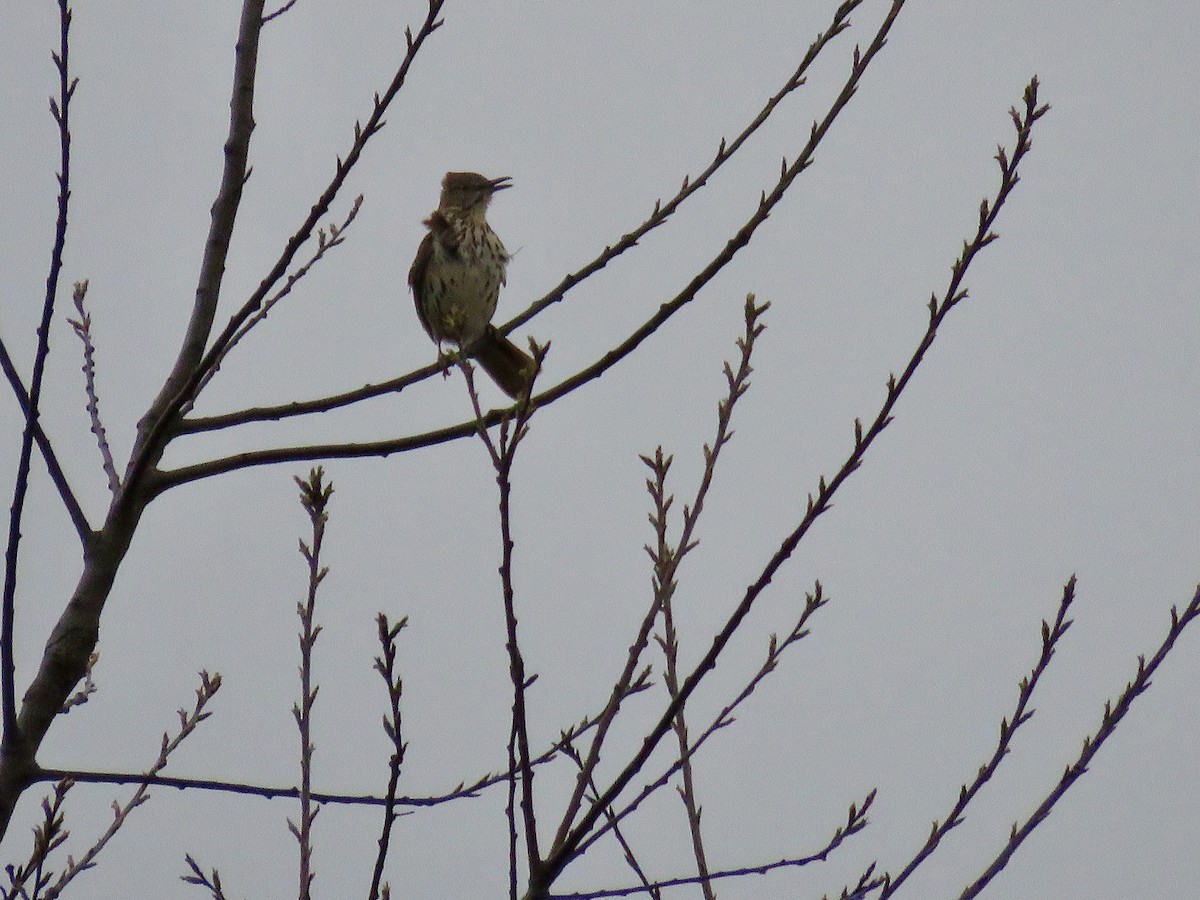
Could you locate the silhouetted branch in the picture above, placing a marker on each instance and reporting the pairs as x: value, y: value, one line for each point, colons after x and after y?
x: 183, y: 386
x: 775, y: 651
x: 324, y: 245
x: 1051, y: 635
x: 210, y: 882
x: 314, y: 497
x: 613, y: 823
x: 565, y: 849
x: 1113, y: 714
x: 503, y: 453
x: 856, y: 821
x: 867, y: 884
x: 385, y: 665
x: 661, y: 213
x: 279, y: 12
x: 48, y: 836
x: 667, y: 558
x: 83, y: 329
x: 13, y: 745
x: 78, y: 518
x: 188, y: 721
x: 82, y: 695
x: 463, y: 790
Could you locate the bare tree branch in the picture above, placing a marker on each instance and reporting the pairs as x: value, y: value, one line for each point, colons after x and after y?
x: 1113, y: 714
x: 666, y: 561
x: 564, y: 850
x: 503, y: 454
x: 856, y: 821
x: 667, y: 558
x: 13, y: 745
x: 48, y: 836
x: 279, y: 12
x: 767, y: 202
x: 661, y: 213
x: 324, y: 245
x: 385, y: 665
x: 171, y: 478
x: 612, y: 823
x: 212, y: 883
x: 188, y: 721
x: 78, y: 518
x: 194, y: 363
x: 1051, y: 635
x: 463, y: 790
x: 74, y: 636
x: 83, y: 329
x: 314, y: 497
x: 775, y: 651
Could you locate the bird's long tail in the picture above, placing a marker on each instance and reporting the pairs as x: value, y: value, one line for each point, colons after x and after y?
x: 507, y: 364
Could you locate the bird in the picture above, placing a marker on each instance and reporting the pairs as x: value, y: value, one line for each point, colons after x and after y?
x: 457, y: 275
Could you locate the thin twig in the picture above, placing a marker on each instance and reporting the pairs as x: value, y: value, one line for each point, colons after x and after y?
x: 630, y: 674
x: 74, y: 510
x: 279, y: 12
x: 612, y: 822
x: 566, y: 849
x: 183, y: 387
x: 868, y: 883
x: 1113, y: 714
x: 856, y: 821
x: 385, y: 665
x: 211, y: 882
x: 85, y: 692
x: 462, y: 791
x: 510, y: 810
x: 775, y: 650
x: 503, y: 454
x: 324, y: 245
x: 666, y: 562
x: 48, y: 836
x: 83, y: 329
x: 687, y: 791
x: 11, y: 743
x: 665, y: 559
x: 314, y: 497
x: 767, y: 202
x: 518, y: 735
x: 188, y: 721
x: 1022, y: 713
x: 661, y: 213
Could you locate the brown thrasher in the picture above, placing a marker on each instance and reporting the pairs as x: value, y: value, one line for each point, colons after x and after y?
x: 457, y: 275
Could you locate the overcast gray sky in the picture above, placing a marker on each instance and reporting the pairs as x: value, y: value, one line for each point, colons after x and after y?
x: 1053, y: 429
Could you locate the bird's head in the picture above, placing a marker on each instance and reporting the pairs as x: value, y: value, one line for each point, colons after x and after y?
x: 468, y: 191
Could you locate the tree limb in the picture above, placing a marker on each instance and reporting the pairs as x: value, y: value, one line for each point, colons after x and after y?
x: 194, y: 363
x: 662, y: 212
x: 565, y: 848
x: 12, y: 744
x: 74, y: 636
x: 74, y: 510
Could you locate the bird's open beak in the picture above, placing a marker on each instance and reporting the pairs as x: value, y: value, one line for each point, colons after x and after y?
x: 499, y: 184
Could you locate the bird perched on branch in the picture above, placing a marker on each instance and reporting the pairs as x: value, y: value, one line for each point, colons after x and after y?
x: 457, y: 275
